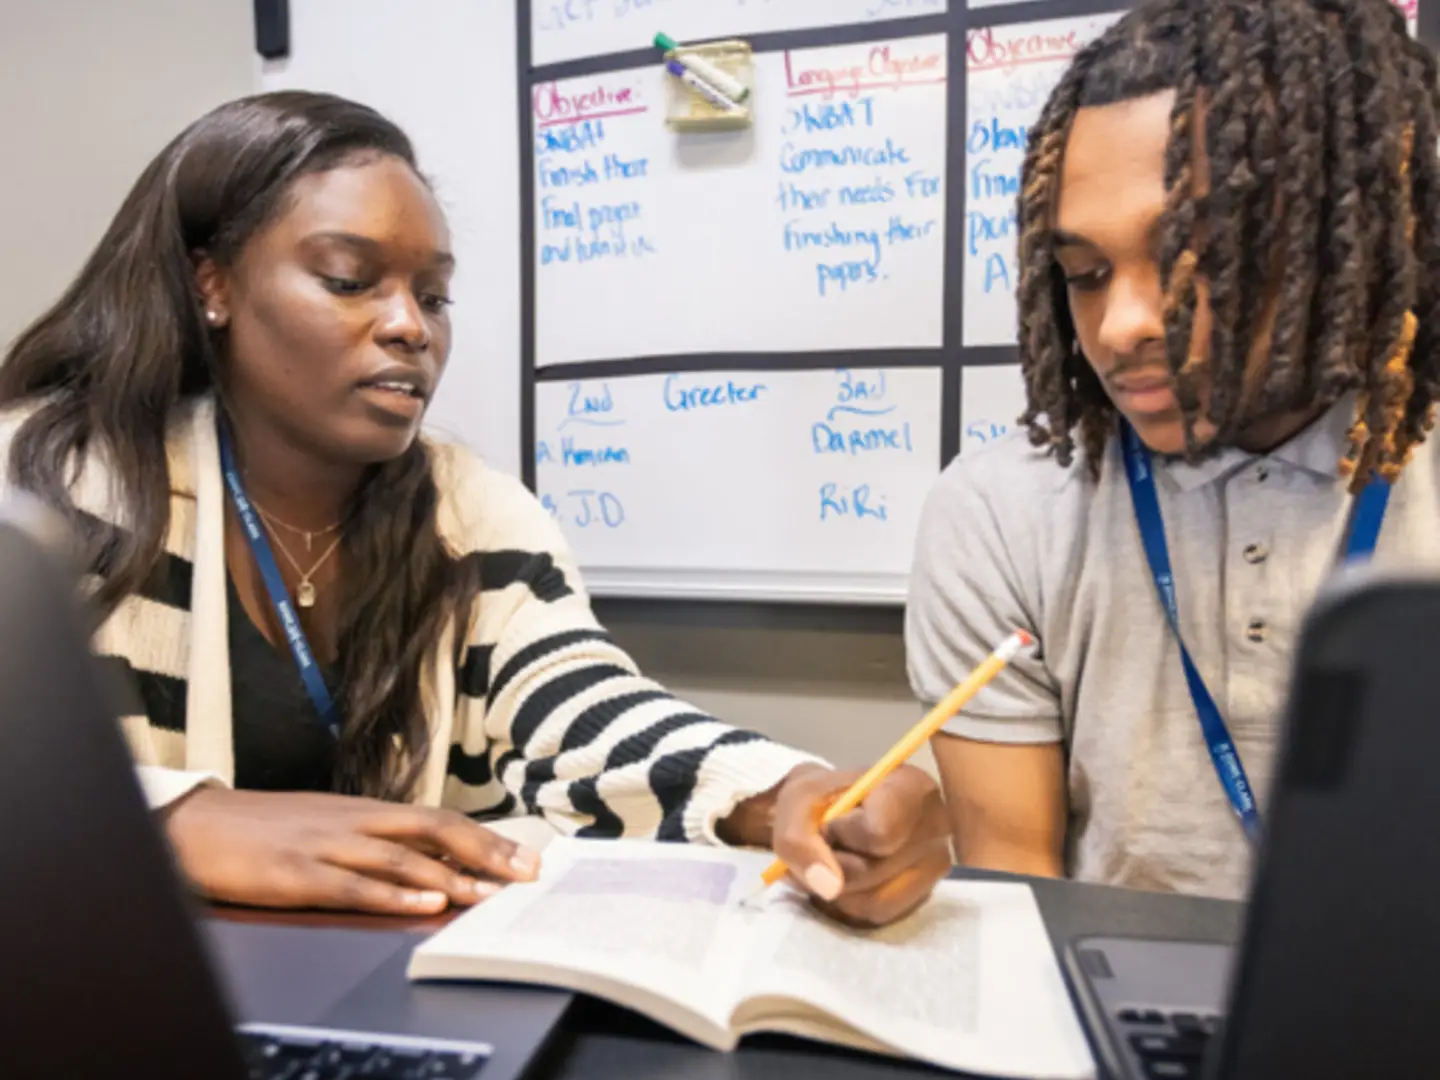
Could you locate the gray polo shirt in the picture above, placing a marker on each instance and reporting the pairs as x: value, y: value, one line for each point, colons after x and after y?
x: 1009, y: 539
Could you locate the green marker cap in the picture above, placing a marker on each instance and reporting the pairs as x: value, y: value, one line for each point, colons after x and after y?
x: 666, y: 42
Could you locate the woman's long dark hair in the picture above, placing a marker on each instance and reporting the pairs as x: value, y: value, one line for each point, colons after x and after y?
x: 1326, y: 109
x: 127, y: 344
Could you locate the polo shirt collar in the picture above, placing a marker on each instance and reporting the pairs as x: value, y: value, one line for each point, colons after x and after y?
x: 1316, y: 450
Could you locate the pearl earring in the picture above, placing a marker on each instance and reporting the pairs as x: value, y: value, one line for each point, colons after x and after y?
x: 213, y: 317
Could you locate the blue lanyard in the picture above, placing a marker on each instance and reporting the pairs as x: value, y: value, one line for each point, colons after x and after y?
x: 1368, y: 516
x: 275, y: 586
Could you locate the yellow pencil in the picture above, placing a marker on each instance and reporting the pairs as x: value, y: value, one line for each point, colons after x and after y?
x: 915, y: 738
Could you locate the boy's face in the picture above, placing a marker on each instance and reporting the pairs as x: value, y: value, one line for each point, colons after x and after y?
x: 1107, y: 235
x: 1108, y: 215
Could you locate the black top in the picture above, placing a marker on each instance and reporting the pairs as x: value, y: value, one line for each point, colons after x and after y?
x: 280, y: 743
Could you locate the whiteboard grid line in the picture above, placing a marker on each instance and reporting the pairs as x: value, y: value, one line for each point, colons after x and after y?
x: 952, y: 326
x: 526, y: 112
x: 689, y: 363
x: 1028, y: 11
x: 777, y: 41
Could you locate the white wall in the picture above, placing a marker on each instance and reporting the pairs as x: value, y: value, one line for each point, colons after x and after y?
x: 444, y: 70
x: 90, y: 90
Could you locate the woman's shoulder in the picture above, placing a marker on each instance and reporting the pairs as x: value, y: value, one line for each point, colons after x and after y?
x: 483, y: 508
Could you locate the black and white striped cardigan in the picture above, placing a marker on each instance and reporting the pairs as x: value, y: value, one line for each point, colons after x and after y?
x: 545, y: 714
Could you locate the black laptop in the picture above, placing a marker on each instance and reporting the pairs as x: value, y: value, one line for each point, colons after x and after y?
x: 105, y: 974
x: 1338, y: 972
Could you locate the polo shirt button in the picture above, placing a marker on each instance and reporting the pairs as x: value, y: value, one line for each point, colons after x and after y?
x: 1262, y: 474
x: 1255, y: 554
x: 1257, y: 631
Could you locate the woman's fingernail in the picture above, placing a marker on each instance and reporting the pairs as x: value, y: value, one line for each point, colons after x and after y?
x: 823, y: 882
x: 525, y: 862
x: 426, y: 899
x: 485, y: 889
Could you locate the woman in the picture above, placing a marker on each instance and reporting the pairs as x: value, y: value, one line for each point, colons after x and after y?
x: 344, y: 639
x: 1230, y: 308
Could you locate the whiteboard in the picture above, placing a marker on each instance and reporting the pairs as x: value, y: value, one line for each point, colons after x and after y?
x: 821, y: 228
x: 992, y: 400
x: 1409, y: 7
x: 795, y: 485
x: 1010, y: 71
x: 569, y: 29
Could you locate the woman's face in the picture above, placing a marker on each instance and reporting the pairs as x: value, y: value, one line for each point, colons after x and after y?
x: 335, y: 312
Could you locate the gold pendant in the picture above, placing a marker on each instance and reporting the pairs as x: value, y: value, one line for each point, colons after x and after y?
x: 305, y: 594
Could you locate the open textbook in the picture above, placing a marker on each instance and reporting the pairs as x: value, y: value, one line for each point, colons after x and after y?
x: 968, y: 982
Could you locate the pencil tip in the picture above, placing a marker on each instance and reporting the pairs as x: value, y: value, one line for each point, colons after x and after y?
x: 753, y: 898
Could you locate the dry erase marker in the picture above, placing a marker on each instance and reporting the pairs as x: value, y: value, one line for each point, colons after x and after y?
x: 723, y: 81
x: 700, y: 86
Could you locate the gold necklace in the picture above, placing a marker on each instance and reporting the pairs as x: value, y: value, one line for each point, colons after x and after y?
x: 308, y: 534
x: 305, y: 588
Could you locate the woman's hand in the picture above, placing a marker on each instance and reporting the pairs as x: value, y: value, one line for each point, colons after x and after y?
x: 295, y: 850
x: 870, y: 867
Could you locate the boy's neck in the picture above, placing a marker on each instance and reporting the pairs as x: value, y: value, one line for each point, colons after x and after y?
x: 1267, y: 434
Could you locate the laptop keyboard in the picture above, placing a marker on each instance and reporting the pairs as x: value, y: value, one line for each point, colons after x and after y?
x: 1170, y: 1046
x: 277, y: 1053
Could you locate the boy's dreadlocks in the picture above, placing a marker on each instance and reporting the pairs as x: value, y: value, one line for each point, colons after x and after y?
x: 1319, y: 123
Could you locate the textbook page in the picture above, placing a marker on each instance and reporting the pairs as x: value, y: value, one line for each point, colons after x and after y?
x: 969, y: 981
x: 655, y: 927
